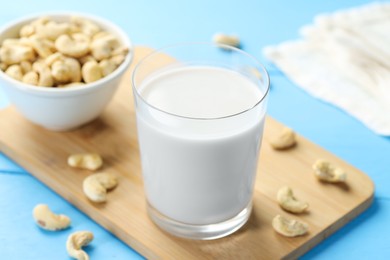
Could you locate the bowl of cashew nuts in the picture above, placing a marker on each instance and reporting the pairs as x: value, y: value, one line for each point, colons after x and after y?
x: 60, y: 70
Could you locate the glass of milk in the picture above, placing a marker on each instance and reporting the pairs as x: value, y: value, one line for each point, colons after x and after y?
x: 200, y: 114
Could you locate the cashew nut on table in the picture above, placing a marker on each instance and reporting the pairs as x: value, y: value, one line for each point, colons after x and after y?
x: 96, y: 185
x: 288, y: 202
x: 285, y: 140
x: 61, y: 54
x: 46, y: 219
x: 289, y: 227
x: 76, y: 241
x: 327, y: 172
x: 89, y: 161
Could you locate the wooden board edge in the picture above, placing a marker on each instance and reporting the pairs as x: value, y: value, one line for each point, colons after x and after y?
x: 132, y: 243
x: 331, y: 229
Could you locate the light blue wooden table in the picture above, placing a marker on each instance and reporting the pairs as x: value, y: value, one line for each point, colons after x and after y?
x: 158, y: 23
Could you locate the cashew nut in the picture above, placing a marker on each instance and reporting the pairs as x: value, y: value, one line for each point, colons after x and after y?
x: 14, y: 54
x: 231, y: 40
x: 54, y: 57
x: 46, y: 219
x: 91, y: 71
x: 86, y: 58
x: 31, y: 78
x: 62, y: 53
x: 86, y: 27
x: 326, y: 171
x: 74, y: 68
x: 76, y: 241
x: 288, y: 202
x: 106, y: 67
x: 289, y: 227
x: 285, y: 140
x: 102, y: 48
x: 44, y: 73
x: 89, y: 161
x: 15, y: 71
x: 43, y: 47
x: 51, y: 30
x: 27, y: 30
x: 75, y: 45
x: 95, y: 186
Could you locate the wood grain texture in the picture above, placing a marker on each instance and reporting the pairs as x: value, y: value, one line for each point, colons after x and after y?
x: 113, y: 135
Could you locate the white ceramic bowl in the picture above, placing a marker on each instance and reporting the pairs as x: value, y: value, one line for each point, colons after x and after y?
x: 63, y: 109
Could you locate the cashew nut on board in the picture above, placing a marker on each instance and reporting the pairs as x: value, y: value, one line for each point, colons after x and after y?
x: 46, y: 219
x: 96, y: 185
x: 75, y: 243
x: 326, y: 171
x: 285, y: 140
x: 288, y: 202
x: 64, y: 47
x: 89, y: 161
x: 230, y: 40
x: 289, y: 227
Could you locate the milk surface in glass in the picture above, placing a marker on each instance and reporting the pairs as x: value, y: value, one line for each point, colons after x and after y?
x: 200, y: 170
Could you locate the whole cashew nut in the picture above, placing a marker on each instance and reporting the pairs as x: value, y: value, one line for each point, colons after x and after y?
x: 86, y: 27
x: 95, y: 186
x: 231, y: 40
x: 91, y: 71
x: 46, y: 219
x: 102, y: 48
x: 31, y: 78
x: 76, y: 241
x: 27, y: 30
x: 44, y: 73
x: 14, y: 54
x: 42, y: 46
x: 89, y: 161
x: 288, y: 202
x: 15, y: 71
x: 326, y: 171
x: 107, y: 66
x: 285, y: 140
x: 76, y: 45
x: 289, y: 227
x: 74, y: 68
x: 52, y: 30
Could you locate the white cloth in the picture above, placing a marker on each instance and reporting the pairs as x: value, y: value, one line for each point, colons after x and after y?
x: 344, y: 59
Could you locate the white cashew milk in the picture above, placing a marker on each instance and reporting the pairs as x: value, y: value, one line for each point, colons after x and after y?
x: 199, y: 171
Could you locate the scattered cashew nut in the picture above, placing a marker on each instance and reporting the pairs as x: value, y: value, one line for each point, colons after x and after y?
x: 89, y: 161
x: 46, y: 219
x: 285, y: 140
x: 76, y: 241
x: 288, y: 202
x: 289, y: 227
x: 96, y: 185
x: 230, y: 40
x: 326, y: 171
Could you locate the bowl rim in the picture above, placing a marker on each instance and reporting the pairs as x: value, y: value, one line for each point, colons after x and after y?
x: 75, y: 89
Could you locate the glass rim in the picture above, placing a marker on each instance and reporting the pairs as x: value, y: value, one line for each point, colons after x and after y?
x: 217, y: 45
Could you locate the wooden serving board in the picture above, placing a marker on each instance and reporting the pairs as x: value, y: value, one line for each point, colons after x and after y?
x: 113, y: 135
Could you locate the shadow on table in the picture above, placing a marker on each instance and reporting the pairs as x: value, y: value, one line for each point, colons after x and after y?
x: 340, y: 234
